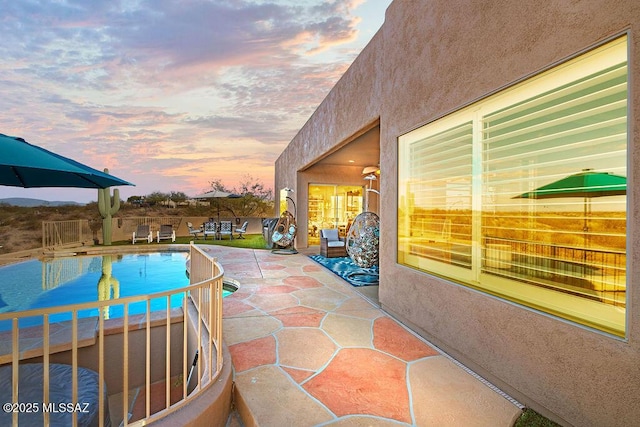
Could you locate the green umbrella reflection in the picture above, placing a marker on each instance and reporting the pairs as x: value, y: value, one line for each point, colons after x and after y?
x: 586, y: 184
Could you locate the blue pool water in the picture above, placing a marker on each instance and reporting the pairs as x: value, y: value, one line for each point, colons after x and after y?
x: 61, y: 281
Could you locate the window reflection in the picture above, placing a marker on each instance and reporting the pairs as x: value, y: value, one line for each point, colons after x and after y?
x: 523, y: 194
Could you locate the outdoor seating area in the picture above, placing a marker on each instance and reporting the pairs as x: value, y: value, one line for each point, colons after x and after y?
x: 195, y: 232
x: 331, y: 244
x: 225, y: 230
x: 240, y: 231
x: 166, y: 232
x: 210, y: 229
x: 143, y: 232
x: 221, y: 229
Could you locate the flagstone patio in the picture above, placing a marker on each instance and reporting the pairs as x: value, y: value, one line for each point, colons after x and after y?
x: 308, y: 349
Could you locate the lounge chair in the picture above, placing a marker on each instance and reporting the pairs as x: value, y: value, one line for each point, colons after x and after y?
x: 142, y: 233
x: 194, y: 231
x: 210, y: 229
x: 332, y: 245
x: 166, y: 232
x: 241, y: 230
x: 225, y: 229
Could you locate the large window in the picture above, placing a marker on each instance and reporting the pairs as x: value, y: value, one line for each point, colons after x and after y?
x: 523, y: 194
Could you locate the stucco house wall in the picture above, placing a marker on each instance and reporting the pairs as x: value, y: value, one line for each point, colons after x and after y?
x: 339, y: 118
x: 432, y: 57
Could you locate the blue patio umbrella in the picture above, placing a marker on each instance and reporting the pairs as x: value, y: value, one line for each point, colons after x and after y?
x: 29, y: 166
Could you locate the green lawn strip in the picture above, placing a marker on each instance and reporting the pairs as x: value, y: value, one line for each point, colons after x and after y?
x: 531, y: 418
x: 251, y: 241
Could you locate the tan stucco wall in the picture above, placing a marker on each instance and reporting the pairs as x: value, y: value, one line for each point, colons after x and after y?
x: 329, y: 127
x: 433, y: 57
x: 581, y: 376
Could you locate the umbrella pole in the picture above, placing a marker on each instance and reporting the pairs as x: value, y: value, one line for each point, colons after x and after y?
x: 218, y: 228
x: 585, y: 230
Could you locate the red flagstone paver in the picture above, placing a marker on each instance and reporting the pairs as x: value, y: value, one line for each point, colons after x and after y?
x: 232, y: 307
x: 299, y: 316
x: 271, y: 302
x: 302, y: 282
x: 258, y: 352
x: 240, y: 294
x: 394, y: 339
x: 269, y: 258
x: 363, y: 381
x: 278, y: 289
x: 273, y: 267
x: 311, y: 268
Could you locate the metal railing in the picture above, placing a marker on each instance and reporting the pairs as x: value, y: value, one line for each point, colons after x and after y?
x: 61, y: 233
x: 122, y: 350
x: 589, y: 272
x: 205, y: 273
x: 592, y: 273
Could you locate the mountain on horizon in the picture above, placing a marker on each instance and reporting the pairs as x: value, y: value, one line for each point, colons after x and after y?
x: 29, y: 203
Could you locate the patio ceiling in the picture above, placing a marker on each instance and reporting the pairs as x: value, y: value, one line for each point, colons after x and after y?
x: 362, y: 151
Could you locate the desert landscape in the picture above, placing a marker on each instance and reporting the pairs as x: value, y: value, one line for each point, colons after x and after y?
x: 21, y: 227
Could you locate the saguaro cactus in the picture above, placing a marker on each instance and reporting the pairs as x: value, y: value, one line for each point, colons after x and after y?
x: 107, y: 208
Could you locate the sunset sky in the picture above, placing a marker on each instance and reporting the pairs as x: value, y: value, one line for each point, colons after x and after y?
x: 171, y: 95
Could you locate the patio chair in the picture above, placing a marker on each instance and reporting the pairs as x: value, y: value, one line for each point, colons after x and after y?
x: 194, y: 231
x: 225, y: 229
x: 142, y: 233
x: 166, y: 232
x: 210, y: 229
x: 332, y: 245
x: 241, y: 230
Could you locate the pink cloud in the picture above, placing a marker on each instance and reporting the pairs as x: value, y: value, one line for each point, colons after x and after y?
x: 170, y: 95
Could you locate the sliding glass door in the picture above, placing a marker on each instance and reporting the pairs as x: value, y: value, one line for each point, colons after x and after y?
x: 332, y: 206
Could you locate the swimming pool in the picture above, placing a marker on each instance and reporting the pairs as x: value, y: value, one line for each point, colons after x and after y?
x: 63, y: 281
